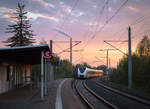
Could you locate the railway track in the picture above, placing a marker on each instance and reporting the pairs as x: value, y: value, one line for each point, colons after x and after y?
x: 92, y: 100
x: 117, y: 98
x: 139, y: 99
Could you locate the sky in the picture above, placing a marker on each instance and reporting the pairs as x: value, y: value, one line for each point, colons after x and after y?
x: 88, y: 21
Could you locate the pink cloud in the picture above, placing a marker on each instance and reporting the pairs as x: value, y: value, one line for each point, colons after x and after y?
x: 66, y: 8
x: 37, y: 15
x: 48, y: 17
x: 133, y: 8
x: 7, y: 13
x: 5, y: 9
x: 44, y: 3
x: 8, y: 16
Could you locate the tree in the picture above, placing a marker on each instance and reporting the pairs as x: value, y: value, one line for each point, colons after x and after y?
x: 87, y: 65
x: 43, y: 41
x: 143, y: 47
x: 64, y: 70
x: 140, y: 67
x: 102, y: 67
x: 22, y: 34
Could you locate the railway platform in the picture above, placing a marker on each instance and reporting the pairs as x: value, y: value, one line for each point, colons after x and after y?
x: 60, y: 96
x: 17, y: 98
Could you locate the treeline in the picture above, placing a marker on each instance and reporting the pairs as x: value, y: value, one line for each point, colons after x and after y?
x: 64, y: 70
x: 140, y: 67
x: 100, y: 67
x: 68, y: 70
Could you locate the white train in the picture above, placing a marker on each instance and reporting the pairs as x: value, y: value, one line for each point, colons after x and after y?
x: 84, y: 72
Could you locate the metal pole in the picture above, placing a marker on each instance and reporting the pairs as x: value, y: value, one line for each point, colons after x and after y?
x: 109, y: 68
x: 45, y: 83
x: 71, y: 54
x: 51, y: 46
x: 71, y: 50
x: 129, y: 60
x: 48, y: 71
x: 42, y: 79
x: 107, y: 62
x: 51, y: 67
x: 48, y: 74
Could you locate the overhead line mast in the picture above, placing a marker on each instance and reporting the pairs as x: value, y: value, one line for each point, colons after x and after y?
x: 107, y: 58
x: 129, y: 60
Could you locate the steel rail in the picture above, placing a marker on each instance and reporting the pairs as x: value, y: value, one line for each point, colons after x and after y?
x: 130, y: 96
x: 99, y: 98
x: 82, y: 96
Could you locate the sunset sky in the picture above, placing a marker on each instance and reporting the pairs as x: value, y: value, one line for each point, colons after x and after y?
x: 83, y: 20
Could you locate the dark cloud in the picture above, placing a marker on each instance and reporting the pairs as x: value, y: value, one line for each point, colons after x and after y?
x: 11, y: 3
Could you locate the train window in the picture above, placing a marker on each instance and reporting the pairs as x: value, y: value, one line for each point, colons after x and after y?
x: 81, y: 76
x: 82, y: 69
x: 91, y: 72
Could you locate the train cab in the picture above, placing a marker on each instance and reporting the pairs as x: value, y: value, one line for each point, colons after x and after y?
x: 82, y: 72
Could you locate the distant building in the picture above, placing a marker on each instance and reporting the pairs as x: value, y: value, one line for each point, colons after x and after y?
x: 15, y: 65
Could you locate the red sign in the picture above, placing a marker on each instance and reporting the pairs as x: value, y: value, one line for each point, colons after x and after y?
x: 47, y: 54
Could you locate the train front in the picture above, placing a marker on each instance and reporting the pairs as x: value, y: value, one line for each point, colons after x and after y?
x: 82, y: 72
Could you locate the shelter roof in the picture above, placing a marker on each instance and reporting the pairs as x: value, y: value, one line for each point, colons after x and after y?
x: 23, y: 54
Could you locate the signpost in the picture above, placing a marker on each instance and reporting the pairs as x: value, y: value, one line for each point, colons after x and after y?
x: 47, y: 54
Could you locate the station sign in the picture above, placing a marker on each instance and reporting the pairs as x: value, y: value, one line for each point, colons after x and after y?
x: 57, y: 63
x: 47, y: 54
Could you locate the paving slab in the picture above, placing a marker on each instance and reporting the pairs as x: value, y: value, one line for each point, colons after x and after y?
x: 16, y: 98
x: 49, y: 102
x: 29, y: 98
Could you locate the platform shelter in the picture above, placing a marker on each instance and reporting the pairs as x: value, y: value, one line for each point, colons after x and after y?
x: 15, y: 63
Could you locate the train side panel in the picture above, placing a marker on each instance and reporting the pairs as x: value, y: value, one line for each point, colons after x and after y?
x: 93, y: 73
x: 89, y: 73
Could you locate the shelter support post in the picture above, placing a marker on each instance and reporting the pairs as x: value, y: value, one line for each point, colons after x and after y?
x: 42, y: 77
x: 50, y: 65
x: 45, y: 82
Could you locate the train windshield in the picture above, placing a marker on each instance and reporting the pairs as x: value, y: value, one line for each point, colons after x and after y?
x: 82, y: 69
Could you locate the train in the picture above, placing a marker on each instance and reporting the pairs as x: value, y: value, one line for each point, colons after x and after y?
x: 84, y: 72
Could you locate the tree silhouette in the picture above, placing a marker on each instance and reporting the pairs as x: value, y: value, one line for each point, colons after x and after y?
x: 22, y: 34
x: 143, y: 47
x: 43, y: 41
